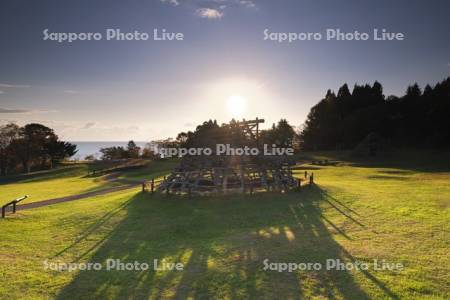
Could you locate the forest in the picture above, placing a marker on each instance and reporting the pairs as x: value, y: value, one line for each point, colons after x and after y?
x: 418, y: 119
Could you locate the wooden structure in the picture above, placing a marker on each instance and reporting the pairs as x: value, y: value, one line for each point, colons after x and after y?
x: 13, y: 204
x: 222, y: 174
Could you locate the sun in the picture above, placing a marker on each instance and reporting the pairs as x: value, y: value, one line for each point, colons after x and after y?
x: 236, y: 105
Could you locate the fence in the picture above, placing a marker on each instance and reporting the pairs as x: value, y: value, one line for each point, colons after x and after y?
x: 150, y: 185
x: 13, y: 204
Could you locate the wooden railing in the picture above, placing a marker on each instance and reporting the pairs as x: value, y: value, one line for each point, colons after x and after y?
x: 150, y: 185
x: 13, y: 204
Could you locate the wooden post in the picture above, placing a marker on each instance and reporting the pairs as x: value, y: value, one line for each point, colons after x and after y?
x: 14, y: 207
x: 152, y: 186
x: 311, y: 179
x: 143, y: 186
x: 306, y: 174
x: 257, y: 133
x: 299, y: 183
x: 3, y: 211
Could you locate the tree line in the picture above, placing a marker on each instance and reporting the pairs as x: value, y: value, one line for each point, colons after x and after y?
x: 210, y: 133
x: 416, y: 119
x: 119, y: 152
x: 31, y: 147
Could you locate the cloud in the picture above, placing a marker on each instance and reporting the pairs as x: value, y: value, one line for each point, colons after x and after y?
x: 23, y: 111
x: 2, y: 92
x: 172, y: 2
x: 6, y: 85
x: 99, y: 127
x: 72, y: 92
x: 14, y: 111
x: 209, y: 13
x: 211, y: 9
x: 247, y: 3
x: 89, y: 125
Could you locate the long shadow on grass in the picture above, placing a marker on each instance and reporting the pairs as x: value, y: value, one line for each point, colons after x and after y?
x: 44, y: 175
x: 407, y: 162
x: 223, y: 243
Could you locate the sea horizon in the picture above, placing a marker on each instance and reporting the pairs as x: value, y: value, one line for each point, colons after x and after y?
x: 86, y: 148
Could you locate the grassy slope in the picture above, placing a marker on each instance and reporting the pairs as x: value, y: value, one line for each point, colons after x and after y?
x: 59, y: 182
x: 70, y: 180
x: 375, y: 210
x: 155, y: 169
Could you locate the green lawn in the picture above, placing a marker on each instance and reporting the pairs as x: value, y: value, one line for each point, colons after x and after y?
x: 64, y: 181
x: 72, y: 179
x: 154, y: 169
x: 60, y: 182
x: 395, y: 209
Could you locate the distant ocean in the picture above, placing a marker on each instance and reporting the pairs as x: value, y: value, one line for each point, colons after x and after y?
x: 93, y: 148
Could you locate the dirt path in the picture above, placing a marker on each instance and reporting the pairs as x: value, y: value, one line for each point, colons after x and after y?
x: 127, y: 184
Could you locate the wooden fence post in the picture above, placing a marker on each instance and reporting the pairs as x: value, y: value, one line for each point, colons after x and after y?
x: 306, y: 174
x: 14, y: 205
x: 311, y: 179
x: 152, y: 186
x: 143, y: 186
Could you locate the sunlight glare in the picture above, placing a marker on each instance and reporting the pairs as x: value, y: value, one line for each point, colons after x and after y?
x: 236, y: 105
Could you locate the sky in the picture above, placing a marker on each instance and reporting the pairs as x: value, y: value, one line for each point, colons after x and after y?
x: 222, y: 69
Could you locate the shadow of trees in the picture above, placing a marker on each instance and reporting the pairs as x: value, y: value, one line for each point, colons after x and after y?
x: 222, y: 242
x: 408, y: 161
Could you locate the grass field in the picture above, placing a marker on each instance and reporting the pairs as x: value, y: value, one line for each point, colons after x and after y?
x: 72, y: 179
x: 154, y: 169
x: 394, y: 209
x: 64, y: 181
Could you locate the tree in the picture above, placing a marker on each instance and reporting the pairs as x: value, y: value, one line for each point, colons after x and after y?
x: 413, y: 91
x: 344, y: 92
x: 182, y: 138
x: 148, y: 153
x: 283, y: 134
x: 31, y: 146
x: 89, y: 157
x: 58, y: 150
x: 8, y: 133
x: 133, y: 150
x: 110, y: 153
x: 427, y: 91
x: 377, y: 90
